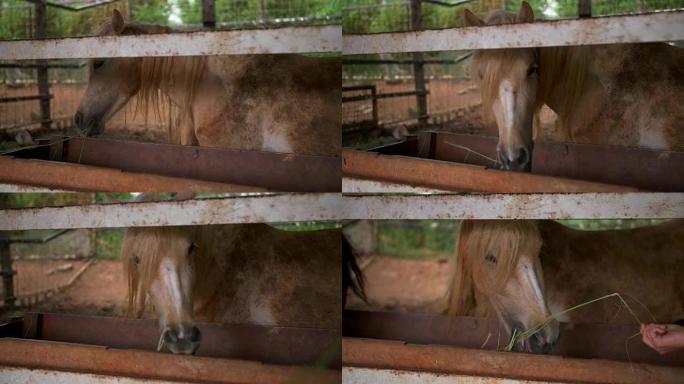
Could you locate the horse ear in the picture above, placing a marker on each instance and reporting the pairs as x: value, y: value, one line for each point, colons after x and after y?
x: 117, y: 22
x: 526, y: 14
x: 470, y: 20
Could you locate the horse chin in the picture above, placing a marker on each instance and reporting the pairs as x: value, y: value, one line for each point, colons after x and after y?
x: 183, y: 348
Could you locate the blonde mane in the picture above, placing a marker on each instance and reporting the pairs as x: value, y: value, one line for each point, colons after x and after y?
x: 565, y: 67
x: 149, y: 246
x: 503, y: 239
x: 181, y: 72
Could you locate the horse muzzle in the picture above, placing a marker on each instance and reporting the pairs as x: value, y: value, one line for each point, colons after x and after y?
x: 87, y: 125
x: 182, y: 339
x: 515, y: 159
x: 541, y: 342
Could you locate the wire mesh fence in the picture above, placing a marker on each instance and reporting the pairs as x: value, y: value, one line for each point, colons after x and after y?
x: 367, y: 16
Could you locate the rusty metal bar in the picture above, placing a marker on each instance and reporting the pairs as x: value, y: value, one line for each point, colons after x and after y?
x: 152, y: 365
x: 459, y: 177
x: 263, y: 170
x: 55, y: 175
x: 453, y: 360
x: 653, y: 170
x: 267, y: 344
x: 587, y: 341
x: 268, y: 208
x: 260, y: 41
x: 663, y: 26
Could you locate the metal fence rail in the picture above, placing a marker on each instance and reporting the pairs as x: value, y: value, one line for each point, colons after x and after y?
x: 665, y: 26
x: 274, y: 208
x: 284, y: 40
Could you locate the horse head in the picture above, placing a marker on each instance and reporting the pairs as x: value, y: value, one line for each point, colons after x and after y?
x: 498, y: 272
x: 112, y: 81
x: 161, y: 264
x: 508, y: 83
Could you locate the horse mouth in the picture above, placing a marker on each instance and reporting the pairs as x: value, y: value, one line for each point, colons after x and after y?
x: 89, y: 127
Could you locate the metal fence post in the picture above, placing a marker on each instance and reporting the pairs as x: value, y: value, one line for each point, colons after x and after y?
x: 42, y: 70
x: 7, y: 274
x: 584, y: 8
x: 208, y: 14
x: 418, y: 70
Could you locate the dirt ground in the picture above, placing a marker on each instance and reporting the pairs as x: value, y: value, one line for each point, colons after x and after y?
x: 101, y: 290
x: 34, y: 276
x: 395, y: 284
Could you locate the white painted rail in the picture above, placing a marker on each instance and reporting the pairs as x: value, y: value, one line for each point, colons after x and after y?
x: 334, y: 207
x: 516, y: 206
x: 282, y: 40
x: 663, y: 26
x: 245, y: 209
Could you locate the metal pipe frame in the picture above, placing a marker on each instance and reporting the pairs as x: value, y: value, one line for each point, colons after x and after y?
x: 84, y: 359
x: 391, y: 355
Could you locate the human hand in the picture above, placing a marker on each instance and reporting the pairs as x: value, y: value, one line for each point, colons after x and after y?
x: 662, y: 337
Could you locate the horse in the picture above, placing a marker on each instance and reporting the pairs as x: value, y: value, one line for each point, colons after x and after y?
x: 523, y: 271
x: 621, y: 94
x: 241, y: 273
x: 279, y: 103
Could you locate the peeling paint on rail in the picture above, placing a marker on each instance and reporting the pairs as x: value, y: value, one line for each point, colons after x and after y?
x: 664, y: 26
x: 272, y: 41
x: 334, y: 207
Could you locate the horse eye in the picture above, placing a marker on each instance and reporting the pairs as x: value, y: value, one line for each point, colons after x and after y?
x: 136, y: 259
x: 98, y: 63
x: 490, y: 258
x: 532, y: 69
x: 192, y: 248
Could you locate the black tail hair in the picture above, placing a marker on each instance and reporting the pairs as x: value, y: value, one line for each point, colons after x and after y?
x: 352, y: 277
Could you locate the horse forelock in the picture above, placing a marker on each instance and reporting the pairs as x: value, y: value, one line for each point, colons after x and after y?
x: 150, y: 246
x: 473, y: 273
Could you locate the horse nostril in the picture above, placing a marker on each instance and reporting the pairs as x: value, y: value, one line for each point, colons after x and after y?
x: 171, y: 336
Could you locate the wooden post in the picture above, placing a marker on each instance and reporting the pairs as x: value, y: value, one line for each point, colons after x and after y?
x: 42, y: 70
x: 418, y: 69
x: 584, y: 8
x: 208, y: 14
x: 7, y: 274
